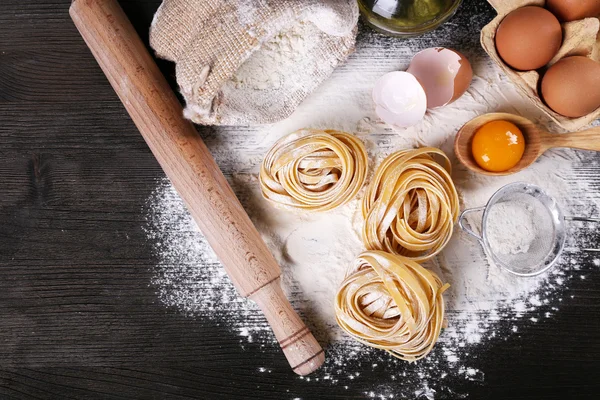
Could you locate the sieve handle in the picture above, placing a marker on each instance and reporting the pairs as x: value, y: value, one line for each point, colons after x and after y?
x: 461, y: 221
x: 583, y: 219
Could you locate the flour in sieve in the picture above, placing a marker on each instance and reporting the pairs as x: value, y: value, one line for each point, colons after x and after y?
x: 511, y: 228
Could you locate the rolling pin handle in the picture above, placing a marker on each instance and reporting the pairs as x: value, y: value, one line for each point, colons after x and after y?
x: 301, y: 349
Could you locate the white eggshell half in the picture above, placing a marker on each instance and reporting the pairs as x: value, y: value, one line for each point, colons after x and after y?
x: 436, y: 69
x: 399, y: 99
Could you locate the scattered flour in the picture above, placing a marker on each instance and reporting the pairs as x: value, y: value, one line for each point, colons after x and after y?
x: 483, y: 303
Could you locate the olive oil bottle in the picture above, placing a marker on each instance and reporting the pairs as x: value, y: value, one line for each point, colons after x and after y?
x: 407, y: 17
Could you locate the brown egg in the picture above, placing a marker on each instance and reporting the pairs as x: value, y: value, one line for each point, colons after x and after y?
x: 528, y: 38
x: 572, y: 10
x: 571, y: 87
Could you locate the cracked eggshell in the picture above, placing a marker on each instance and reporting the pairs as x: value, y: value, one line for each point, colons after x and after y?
x: 399, y: 99
x: 445, y: 74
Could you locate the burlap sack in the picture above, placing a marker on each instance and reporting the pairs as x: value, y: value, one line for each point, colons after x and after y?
x: 251, y: 61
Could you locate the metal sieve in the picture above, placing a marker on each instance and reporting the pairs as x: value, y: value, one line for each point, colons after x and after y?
x: 549, y: 237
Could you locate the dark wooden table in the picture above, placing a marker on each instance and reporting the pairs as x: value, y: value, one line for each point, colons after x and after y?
x: 78, y: 318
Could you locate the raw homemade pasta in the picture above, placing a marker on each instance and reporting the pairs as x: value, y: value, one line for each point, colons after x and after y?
x: 392, y: 303
x: 314, y: 170
x: 411, y: 205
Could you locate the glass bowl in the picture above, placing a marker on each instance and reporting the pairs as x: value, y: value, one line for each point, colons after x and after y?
x: 405, y: 18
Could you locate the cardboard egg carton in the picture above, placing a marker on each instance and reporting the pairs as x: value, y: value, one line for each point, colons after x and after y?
x: 580, y: 38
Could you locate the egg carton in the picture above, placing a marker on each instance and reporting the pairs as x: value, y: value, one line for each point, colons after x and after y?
x: 580, y: 38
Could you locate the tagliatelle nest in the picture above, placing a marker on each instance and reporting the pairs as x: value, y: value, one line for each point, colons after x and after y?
x: 411, y: 205
x: 392, y: 303
x: 314, y: 170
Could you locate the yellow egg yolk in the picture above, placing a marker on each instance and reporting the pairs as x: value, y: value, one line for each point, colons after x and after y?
x: 498, y: 146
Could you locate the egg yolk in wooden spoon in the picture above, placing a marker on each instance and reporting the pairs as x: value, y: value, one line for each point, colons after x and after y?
x: 498, y: 146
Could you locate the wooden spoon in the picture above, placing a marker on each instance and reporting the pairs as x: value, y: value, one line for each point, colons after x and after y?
x: 537, y: 141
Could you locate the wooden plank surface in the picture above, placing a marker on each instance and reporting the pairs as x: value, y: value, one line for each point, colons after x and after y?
x: 79, y: 318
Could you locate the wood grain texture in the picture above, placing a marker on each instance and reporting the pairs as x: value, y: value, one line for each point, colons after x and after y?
x: 79, y: 316
x: 588, y: 139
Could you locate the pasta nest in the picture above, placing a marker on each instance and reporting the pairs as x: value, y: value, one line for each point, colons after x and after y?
x: 314, y: 170
x: 411, y: 205
x: 392, y: 303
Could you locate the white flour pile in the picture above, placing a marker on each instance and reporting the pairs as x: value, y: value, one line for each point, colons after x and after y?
x: 314, y: 250
x: 511, y: 227
x: 279, y: 59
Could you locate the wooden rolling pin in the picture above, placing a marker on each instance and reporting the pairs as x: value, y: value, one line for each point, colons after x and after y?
x: 189, y: 165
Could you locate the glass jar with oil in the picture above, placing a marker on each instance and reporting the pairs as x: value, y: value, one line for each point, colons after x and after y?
x: 407, y: 17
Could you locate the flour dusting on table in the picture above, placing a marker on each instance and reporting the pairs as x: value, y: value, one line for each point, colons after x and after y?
x: 314, y: 250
